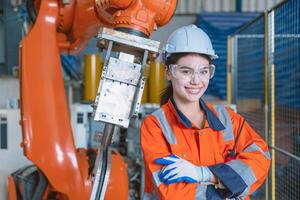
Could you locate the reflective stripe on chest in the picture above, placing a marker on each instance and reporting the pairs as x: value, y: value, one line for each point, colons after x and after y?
x: 169, y: 135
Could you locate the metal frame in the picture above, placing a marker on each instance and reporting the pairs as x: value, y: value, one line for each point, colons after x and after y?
x: 266, y: 92
x: 234, y: 69
x: 229, y: 71
x: 133, y: 53
x: 269, y: 88
x: 271, y: 97
x: 131, y: 45
x: 128, y: 39
x: 103, y: 164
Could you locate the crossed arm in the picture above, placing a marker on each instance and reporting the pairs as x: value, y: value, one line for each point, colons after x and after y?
x: 176, y: 178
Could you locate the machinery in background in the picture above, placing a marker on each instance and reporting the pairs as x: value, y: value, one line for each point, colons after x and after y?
x: 133, y: 152
x: 62, y: 171
x: 87, y: 132
x: 93, y: 66
x: 10, y: 139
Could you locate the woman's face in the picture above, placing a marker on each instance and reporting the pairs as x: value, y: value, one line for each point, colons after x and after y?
x: 189, y: 90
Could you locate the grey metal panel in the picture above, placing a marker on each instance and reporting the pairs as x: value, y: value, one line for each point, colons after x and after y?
x: 181, y: 4
x: 196, y: 6
x: 217, y: 5
x: 13, y: 156
x: 259, y: 5
x: 1, y: 40
x: 1, y: 6
x: 208, y: 6
x: 12, y: 36
x: 9, y: 87
x: 1, y: 34
x: 227, y: 5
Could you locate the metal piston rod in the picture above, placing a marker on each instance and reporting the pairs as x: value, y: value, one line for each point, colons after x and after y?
x: 104, y: 163
x: 119, y: 93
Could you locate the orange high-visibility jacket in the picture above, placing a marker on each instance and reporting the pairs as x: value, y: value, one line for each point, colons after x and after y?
x: 167, y: 131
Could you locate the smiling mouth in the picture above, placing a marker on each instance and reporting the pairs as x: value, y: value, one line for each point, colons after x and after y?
x: 193, y: 90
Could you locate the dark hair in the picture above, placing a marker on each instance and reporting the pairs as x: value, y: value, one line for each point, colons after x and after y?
x: 173, y: 59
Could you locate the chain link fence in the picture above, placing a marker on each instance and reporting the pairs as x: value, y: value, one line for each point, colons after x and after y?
x: 264, y: 83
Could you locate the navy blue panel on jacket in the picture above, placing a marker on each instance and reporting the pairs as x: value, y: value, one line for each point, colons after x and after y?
x: 231, y: 180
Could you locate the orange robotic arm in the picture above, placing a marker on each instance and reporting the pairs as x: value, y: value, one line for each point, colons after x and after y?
x: 79, y: 20
x: 47, y: 135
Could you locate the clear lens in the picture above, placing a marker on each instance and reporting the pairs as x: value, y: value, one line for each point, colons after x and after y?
x: 212, y: 71
x: 188, y: 72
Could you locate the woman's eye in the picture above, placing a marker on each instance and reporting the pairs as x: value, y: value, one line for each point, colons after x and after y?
x: 204, y: 72
x: 186, y: 72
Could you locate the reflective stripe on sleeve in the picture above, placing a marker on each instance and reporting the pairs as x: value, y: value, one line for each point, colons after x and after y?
x: 244, y: 171
x: 201, y: 192
x: 150, y: 196
x: 166, y: 129
x: 255, y: 147
x: 226, y: 121
x: 155, y: 176
x: 153, y: 195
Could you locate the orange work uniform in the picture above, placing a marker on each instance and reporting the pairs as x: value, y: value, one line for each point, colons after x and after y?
x: 167, y: 131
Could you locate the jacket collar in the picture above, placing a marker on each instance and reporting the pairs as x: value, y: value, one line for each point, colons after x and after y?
x: 212, y: 119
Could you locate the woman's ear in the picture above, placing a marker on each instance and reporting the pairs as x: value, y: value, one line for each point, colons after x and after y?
x: 168, y: 73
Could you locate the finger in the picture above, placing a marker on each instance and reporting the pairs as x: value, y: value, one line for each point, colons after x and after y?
x: 177, y: 179
x: 167, y: 160
x: 163, y: 161
x: 170, y: 167
x: 163, y: 174
x: 174, y: 180
x: 172, y: 158
x: 170, y: 173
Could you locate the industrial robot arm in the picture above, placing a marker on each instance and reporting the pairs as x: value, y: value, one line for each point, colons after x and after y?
x: 66, y: 26
x: 77, y: 21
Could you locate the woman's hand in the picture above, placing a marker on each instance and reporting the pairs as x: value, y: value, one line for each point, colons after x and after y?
x: 178, y: 170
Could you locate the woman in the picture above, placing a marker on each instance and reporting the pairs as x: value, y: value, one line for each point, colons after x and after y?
x: 194, y: 150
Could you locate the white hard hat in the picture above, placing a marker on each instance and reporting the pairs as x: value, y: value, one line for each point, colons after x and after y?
x: 190, y: 39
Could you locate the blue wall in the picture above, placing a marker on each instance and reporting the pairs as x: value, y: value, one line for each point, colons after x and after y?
x: 12, y: 29
x: 218, y: 26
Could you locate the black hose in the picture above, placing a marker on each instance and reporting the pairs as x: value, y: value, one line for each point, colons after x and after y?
x: 31, y: 10
x: 41, y: 187
x: 105, y: 143
x: 132, y: 31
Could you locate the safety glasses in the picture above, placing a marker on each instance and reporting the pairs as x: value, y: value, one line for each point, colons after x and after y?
x: 186, y: 72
